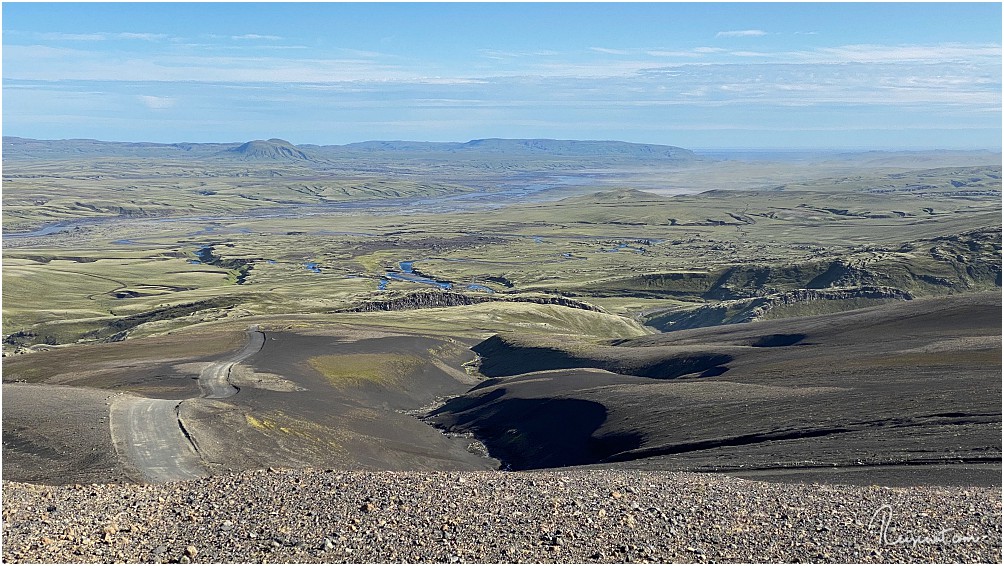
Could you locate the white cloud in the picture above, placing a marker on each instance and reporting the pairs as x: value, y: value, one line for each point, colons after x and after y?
x: 57, y: 36
x: 867, y: 53
x: 255, y: 36
x: 609, y: 51
x: 142, y: 36
x: 157, y: 102
x: 741, y: 33
x: 100, y: 36
x: 673, y: 53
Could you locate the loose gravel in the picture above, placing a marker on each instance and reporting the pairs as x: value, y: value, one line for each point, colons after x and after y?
x: 577, y: 516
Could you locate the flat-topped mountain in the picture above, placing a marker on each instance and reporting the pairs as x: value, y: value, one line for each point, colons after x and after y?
x: 581, y: 147
x: 282, y: 150
x: 27, y: 148
x: 530, y: 148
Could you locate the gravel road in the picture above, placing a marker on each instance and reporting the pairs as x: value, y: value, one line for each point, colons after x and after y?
x: 549, y: 516
x: 214, y: 380
x: 148, y: 432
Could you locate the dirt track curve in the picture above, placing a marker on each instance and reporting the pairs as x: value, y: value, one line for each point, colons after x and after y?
x: 149, y: 435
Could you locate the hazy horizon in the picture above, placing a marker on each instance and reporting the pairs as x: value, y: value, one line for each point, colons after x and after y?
x: 699, y: 150
x: 792, y: 76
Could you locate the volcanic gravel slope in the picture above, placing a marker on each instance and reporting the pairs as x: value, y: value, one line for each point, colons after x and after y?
x: 444, y: 517
x: 903, y: 394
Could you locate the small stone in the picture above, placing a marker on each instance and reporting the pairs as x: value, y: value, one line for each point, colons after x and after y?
x: 191, y: 551
x: 227, y: 525
x: 616, y: 494
x: 367, y: 507
x: 328, y: 544
x: 185, y: 560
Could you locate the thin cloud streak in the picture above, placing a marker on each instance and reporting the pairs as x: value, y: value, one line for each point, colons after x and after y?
x: 742, y: 33
x: 102, y: 36
x: 610, y: 51
x: 255, y: 36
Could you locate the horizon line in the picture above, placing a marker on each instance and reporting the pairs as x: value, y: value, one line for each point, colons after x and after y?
x: 696, y: 149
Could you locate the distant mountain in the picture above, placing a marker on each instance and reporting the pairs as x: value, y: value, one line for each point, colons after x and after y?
x: 269, y: 150
x: 282, y: 150
x: 402, y: 146
x: 580, y: 148
x: 27, y: 148
x: 531, y: 147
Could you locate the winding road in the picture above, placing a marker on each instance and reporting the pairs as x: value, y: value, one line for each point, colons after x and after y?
x: 148, y: 433
x: 214, y: 379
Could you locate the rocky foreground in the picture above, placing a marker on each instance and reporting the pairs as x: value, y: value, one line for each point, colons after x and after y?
x: 561, y: 516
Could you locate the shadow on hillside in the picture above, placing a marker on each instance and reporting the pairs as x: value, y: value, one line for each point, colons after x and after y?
x: 534, y: 433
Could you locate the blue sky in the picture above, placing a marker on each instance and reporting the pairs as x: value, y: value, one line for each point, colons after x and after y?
x: 701, y: 75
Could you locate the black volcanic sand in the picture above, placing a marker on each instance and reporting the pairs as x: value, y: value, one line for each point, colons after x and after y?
x: 308, y: 420
x: 58, y: 434
x: 162, y: 367
x: 902, y: 394
x: 905, y: 394
x: 56, y: 403
x: 285, y: 413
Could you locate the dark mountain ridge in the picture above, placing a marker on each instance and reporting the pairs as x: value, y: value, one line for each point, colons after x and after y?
x: 282, y: 150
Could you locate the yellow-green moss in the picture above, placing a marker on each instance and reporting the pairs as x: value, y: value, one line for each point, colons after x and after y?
x: 350, y: 369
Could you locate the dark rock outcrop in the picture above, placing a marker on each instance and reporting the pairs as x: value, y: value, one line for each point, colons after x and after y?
x: 440, y: 299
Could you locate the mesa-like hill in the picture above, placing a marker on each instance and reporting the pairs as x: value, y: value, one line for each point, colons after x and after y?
x: 576, y: 148
x: 281, y: 150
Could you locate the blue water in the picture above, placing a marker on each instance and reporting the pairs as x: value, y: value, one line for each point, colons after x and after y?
x: 271, y: 261
x: 195, y: 261
x: 538, y: 240
x: 408, y: 268
x: 205, y: 254
x: 312, y: 267
x: 481, y: 288
x: 625, y: 247
x: 416, y: 279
